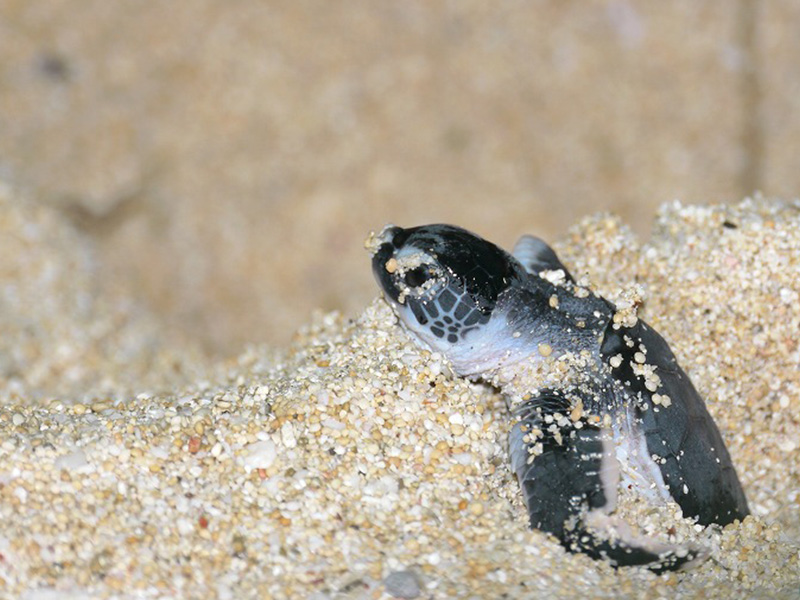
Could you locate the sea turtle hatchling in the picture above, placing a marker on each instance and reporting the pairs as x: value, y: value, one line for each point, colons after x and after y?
x: 598, y: 397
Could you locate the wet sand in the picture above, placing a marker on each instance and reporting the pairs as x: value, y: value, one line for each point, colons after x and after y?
x: 350, y: 464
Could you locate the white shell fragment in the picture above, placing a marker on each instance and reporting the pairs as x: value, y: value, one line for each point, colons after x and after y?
x: 260, y: 455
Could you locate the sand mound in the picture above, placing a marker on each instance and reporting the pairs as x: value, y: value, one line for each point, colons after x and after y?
x: 351, y: 465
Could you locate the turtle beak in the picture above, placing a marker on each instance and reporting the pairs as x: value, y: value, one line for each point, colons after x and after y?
x: 384, y: 249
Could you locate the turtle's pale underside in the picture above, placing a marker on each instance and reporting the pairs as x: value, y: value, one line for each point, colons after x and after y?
x: 599, y: 399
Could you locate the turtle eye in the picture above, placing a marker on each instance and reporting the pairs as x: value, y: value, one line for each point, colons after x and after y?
x: 416, y: 277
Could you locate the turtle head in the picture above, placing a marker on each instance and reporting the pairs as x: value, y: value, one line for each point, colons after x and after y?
x: 443, y: 281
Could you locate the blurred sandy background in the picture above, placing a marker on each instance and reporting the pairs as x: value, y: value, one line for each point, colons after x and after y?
x: 227, y: 159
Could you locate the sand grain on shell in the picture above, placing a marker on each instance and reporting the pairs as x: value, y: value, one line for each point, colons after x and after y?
x: 351, y: 465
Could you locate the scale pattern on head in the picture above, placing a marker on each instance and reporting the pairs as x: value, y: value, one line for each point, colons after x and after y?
x: 448, y: 278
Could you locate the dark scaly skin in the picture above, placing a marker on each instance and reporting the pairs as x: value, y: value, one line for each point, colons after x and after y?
x: 486, y: 311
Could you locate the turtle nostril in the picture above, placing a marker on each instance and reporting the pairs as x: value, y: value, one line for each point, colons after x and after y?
x: 399, y: 236
x: 416, y: 277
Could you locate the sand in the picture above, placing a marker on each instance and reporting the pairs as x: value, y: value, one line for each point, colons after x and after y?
x: 351, y: 464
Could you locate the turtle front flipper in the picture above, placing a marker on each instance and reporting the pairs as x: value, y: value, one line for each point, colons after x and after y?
x: 568, y: 474
x: 679, y: 432
x: 536, y: 256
